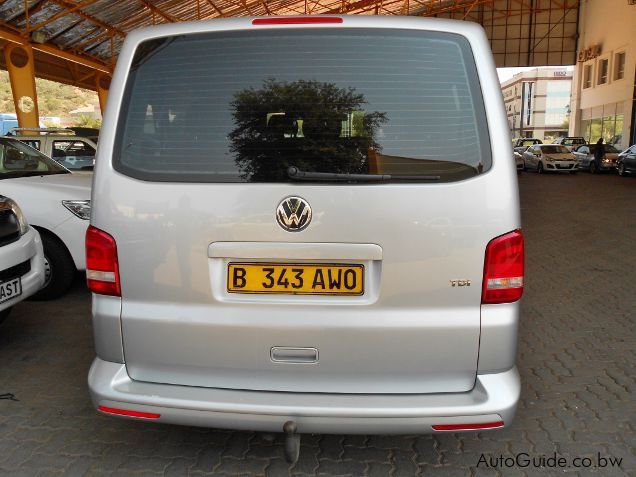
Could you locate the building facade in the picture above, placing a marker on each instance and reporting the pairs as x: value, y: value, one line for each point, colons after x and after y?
x: 538, y: 103
x: 604, y: 89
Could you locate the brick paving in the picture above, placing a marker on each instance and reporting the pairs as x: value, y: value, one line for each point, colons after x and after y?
x: 576, y: 359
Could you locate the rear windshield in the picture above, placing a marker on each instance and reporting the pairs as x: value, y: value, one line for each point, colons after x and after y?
x: 608, y: 148
x: 253, y: 106
x: 554, y: 149
x: 569, y: 142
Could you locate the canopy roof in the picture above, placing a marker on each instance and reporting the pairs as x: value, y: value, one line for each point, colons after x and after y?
x: 74, y: 40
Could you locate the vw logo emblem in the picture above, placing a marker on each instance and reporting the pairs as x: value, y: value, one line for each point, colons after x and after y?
x: 293, y: 214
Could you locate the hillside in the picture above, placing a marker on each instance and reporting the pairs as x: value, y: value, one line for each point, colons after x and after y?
x: 54, y: 99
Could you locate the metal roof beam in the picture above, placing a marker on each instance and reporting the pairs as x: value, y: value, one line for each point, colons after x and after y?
x: 90, y: 18
x: 442, y: 8
x: 58, y: 15
x: 18, y: 17
x: 216, y: 9
x: 515, y: 13
x: 12, y: 37
x: 160, y: 12
x: 64, y: 30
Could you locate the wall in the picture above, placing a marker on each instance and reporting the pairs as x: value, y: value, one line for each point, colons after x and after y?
x: 612, y: 25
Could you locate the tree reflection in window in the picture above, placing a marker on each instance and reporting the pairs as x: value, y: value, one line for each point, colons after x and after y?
x: 315, y: 126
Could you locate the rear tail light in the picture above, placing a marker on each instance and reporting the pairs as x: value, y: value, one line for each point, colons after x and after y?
x: 102, y: 268
x: 129, y: 413
x: 503, y: 269
x: 468, y: 427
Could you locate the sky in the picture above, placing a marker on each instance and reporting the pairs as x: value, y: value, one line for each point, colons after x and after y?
x: 506, y: 73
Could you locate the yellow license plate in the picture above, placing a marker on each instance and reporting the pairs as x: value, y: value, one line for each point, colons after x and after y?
x: 295, y: 279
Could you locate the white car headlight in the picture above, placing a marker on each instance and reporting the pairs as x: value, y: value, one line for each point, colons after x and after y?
x: 79, y: 208
x: 8, y: 204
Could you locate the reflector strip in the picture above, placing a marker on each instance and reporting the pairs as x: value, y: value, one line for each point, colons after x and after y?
x: 101, y: 276
x: 468, y: 427
x: 295, y: 20
x: 129, y: 413
x: 498, y: 283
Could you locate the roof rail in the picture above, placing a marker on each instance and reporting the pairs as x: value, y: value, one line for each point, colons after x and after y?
x: 12, y: 131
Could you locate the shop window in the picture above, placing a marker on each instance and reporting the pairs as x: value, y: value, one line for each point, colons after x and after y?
x: 619, y: 65
x: 603, y: 67
x: 596, y: 129
x: 608, y: 127
x: 585, y: 128
x: 619, y: 124
x: 587, y: 76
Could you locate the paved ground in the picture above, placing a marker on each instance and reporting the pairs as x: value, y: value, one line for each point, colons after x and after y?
x: 576, y: 359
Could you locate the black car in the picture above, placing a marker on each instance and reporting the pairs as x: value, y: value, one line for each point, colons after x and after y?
x: 626, y: 163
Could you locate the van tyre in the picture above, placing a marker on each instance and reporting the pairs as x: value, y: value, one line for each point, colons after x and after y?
x: 593, y: 169
x: 59, y: 269
x: 540, y: 168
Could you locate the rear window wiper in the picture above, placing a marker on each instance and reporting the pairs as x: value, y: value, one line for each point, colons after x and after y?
x: 295, y: 173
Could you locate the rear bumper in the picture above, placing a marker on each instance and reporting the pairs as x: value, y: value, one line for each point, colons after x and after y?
x: 494, y: 398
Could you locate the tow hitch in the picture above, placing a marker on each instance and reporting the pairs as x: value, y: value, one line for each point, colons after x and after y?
x: 292, y: 442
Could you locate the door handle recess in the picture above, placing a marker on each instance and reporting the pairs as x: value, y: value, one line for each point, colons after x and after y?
x: 286, y: 354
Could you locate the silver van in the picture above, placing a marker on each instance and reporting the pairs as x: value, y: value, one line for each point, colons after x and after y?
x: 308, y: 225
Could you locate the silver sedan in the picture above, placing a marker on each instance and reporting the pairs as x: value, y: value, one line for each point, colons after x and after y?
x: 585, y: 156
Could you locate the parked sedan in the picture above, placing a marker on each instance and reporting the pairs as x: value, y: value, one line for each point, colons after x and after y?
x: 550, y: 158
x: 21, y: 257
x: 626, y: 162
x: 585, y: 156
x: 523, y: 143
x: 571, y: 142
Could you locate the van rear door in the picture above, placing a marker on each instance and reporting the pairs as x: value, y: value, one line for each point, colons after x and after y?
x: 219, y: 155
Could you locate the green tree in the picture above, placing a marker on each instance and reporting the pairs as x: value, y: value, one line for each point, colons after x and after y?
x: 566, y: 124
x: 54, y: 99
x: 87, y: 121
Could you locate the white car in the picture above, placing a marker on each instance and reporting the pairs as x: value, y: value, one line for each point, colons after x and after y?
x: 550, y: 158
x: 55, y: 202
x: 21, y: 257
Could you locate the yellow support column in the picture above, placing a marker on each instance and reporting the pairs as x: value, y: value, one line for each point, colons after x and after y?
x: 102, y: 82
x: 19, y: 61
